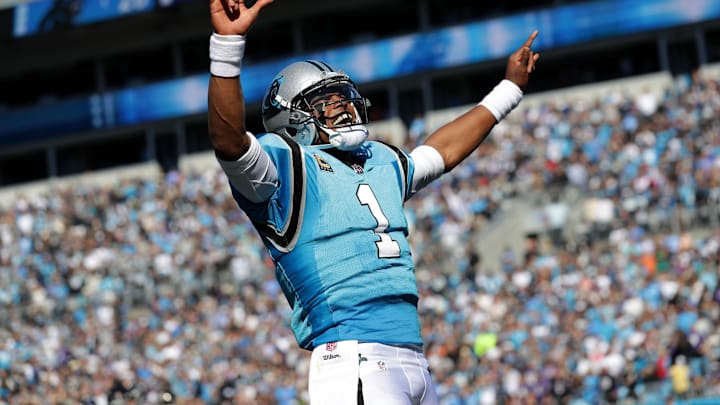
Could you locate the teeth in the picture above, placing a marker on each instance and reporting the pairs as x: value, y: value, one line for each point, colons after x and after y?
x: 342, y: 117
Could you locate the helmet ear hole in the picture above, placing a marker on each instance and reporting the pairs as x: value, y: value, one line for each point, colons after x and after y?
x: 292, y: 131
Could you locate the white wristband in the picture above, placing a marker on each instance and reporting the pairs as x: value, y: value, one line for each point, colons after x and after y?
x: 226, y: 53
x: 502, y: 99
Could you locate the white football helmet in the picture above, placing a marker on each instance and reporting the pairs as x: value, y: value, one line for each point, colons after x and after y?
x: 295, y: 102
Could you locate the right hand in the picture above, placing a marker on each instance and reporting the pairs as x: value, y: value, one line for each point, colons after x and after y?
x: 232, y: 17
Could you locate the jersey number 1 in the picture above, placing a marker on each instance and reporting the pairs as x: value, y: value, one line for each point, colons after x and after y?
x: 386, y: 246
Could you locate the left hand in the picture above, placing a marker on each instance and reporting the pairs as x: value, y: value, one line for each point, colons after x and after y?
x: 521, y: 63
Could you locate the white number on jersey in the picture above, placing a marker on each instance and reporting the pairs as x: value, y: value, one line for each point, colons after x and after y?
x: 387, y: 247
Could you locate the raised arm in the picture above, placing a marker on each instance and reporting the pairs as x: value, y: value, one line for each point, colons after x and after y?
x: 458, y: 138
x: 231, y: 20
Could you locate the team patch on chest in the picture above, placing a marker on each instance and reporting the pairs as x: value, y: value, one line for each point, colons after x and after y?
x: 322, y: 164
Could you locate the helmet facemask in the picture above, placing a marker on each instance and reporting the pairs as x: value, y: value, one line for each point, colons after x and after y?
x: 336, y: 108
x: 308, y: 100
x: 334, y: 103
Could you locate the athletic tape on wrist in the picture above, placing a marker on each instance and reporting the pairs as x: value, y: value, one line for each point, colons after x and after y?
x: 502, y: 99
x: 226, y: 53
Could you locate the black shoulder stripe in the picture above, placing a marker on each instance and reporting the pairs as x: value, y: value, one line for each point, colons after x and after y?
x: 284, y: 239
x: 400, y: 154
x: 403, y: 164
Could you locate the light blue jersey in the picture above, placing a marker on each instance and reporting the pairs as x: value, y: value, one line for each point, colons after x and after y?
x: 338, y: 237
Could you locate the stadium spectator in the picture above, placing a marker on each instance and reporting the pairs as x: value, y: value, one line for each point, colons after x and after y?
x: 99, y: 283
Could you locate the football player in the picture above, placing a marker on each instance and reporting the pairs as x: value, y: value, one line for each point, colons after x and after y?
x: 328, y: 205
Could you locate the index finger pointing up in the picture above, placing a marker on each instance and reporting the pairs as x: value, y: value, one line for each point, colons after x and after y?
x: 531, y: 38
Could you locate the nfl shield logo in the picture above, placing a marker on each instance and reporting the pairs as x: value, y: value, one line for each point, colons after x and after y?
x: 358, y: 169
x: 331, y: 346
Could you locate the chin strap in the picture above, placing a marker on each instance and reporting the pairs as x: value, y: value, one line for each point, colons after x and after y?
x: 347, y: 138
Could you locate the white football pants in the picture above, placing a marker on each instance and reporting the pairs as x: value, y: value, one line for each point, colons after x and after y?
x: 352, y: 373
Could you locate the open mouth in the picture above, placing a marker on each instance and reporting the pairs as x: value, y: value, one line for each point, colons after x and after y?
x: 344, y: 118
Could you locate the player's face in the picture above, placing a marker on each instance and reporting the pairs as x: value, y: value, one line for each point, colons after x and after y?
x: 334, y: 105
x: 335, y: 111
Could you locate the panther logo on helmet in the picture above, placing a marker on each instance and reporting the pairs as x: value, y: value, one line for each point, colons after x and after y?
x: 288, y: 108
x: 270, y: 105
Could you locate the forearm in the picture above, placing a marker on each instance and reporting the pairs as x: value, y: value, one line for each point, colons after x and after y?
x: 226, y: 104
x: 458, y: 138
x: 226, y: 118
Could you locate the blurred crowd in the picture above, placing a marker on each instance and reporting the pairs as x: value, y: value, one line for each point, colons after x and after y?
x: 158, y: 291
